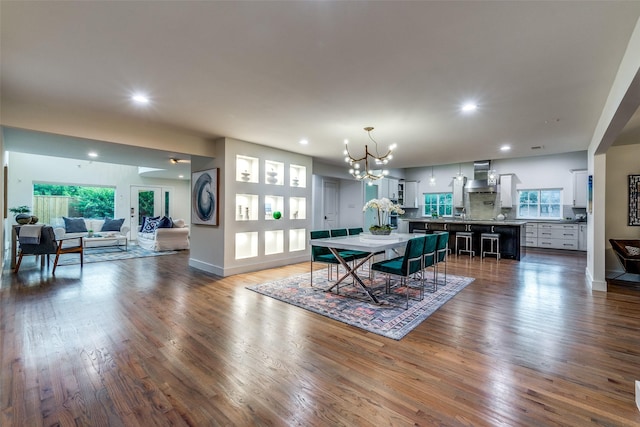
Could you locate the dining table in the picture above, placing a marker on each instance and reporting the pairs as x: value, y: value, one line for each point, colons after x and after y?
x: 371, y: 244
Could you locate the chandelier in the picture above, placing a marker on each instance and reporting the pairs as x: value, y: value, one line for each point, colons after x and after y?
x: 360, y: 168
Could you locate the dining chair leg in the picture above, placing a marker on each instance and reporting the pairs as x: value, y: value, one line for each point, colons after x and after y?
x: 55, y: 263
x: 18, y: 262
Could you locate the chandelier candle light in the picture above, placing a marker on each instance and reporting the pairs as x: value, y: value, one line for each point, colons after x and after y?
x: 384, y: 207
x: 360, y: 168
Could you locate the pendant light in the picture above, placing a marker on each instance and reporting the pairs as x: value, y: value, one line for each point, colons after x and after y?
x: 460, y: 176
x: 432, y: 180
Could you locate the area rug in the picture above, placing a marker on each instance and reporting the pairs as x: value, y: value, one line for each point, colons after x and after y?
x: 110, y: 254
x: 389, y: 318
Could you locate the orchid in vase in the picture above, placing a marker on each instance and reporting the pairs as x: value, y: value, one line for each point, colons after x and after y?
x: 384, y: 208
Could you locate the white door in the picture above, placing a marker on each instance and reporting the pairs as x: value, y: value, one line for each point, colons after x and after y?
x: 145, y: 201
x: 330, y: 204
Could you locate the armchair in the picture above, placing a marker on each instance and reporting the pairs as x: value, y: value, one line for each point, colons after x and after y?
x: 628, y: 253
x: 48, y: 245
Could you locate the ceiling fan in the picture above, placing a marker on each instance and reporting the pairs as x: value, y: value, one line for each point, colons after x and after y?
x: 175, y: 161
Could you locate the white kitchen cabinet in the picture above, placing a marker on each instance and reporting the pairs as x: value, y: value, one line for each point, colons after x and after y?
x: 531, y: 234
x: 558, y: 236
x: 388, y: 187
x: 409, y: 191
x: 458, y: 193
x: 582, y: 237
x: 553, y: 235
x: 393, y: 188
x: 506, y: 191
x: 580, y: 189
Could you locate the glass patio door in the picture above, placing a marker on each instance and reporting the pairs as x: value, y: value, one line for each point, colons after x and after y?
x: 146, y: 201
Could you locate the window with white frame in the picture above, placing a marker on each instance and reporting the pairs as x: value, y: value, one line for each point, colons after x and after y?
x: 440, y: 203
x: 538, y: 203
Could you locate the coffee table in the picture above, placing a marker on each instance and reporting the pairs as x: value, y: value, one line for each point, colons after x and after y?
x: 106, y: 241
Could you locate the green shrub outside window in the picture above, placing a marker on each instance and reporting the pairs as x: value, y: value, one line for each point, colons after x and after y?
x: 540, y: 204
x: 439, y: 203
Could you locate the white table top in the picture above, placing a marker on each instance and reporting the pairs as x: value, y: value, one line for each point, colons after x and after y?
x: 365, y: 242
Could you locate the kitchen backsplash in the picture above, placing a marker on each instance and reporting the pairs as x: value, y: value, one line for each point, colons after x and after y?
x: 487, y: 206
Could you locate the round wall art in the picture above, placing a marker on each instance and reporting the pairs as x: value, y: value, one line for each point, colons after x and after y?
x: 204, y: 195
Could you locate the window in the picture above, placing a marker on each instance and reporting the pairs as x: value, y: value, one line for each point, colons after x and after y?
x: 440, y: 203
x: 52, y: 202
x: 540, y: 204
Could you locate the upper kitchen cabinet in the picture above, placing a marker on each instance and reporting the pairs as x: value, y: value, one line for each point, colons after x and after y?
x: 506, y: 191
x: 458, y: 192
x: 408, y: 194
x: 580, y: 188
x: 388, y: 187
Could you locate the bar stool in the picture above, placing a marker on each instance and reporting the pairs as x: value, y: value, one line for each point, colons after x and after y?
x: 493, y: 238
x: 467, y: 238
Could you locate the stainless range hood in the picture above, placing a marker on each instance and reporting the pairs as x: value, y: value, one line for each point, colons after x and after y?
x: 480, y: 182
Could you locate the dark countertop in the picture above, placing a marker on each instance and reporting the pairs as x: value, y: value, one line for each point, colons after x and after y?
x: 467, y: 221
x: 494, y: 221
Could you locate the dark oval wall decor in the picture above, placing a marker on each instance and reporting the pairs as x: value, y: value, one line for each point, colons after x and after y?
x: 204, y: 201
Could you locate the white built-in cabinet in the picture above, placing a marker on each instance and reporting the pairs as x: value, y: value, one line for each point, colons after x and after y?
x: 580, y: 179
x: 506, y: 191
x: 270, y: 207
x: 458, y: 192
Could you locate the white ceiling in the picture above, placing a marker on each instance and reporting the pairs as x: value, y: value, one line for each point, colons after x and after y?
x: 276, y: 72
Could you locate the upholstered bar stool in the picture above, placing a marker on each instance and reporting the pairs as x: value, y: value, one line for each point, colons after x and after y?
x: 465, y: 237
x: 494, y: 240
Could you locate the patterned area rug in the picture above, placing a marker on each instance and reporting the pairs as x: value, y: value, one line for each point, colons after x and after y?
x: 351, y: 306
x: 110, y: 254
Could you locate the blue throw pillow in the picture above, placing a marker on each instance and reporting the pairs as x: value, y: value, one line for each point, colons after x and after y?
x: 74, y: 225
x: 165, y: 222
x: 112, y: 224
x: 149, y: 224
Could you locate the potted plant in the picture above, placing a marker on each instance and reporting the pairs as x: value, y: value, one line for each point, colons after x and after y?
x: 21, y: 214
x: 384, y: 207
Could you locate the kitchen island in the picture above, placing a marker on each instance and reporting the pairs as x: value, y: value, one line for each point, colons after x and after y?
x: 512, y: 233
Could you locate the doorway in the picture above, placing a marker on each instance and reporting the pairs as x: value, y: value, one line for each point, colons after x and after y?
x: 330, y: 210
x: 148, y: 201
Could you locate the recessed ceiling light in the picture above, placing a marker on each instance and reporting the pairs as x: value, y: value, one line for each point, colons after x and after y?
x: 180, y: 176
x: 505, y: 148
x: 92, y: 154
x: 469, y: 107
x: 304, y: 142
x: 140, y: 98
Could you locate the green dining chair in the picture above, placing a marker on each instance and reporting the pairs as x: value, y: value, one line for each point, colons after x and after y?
x: 354, y: 231
x: 442, y: 252
x: 429, y: 258
x: 324, y: 255
x: 338, y: 232
x: 410, y: 264
x: 342, y: 232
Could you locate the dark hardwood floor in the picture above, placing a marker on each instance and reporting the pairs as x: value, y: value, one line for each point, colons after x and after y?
x: 154, y: 342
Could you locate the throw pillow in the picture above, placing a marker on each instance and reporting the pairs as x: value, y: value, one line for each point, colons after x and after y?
x: 165, y: 222
x: 149, y: 224
x: 74, y: 225
x: 178, y: 223
x: 112, y: 224
x: 633, y: 251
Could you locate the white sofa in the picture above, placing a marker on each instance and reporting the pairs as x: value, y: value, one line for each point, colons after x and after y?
x: 96, y: 226
x: 166, y: 239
